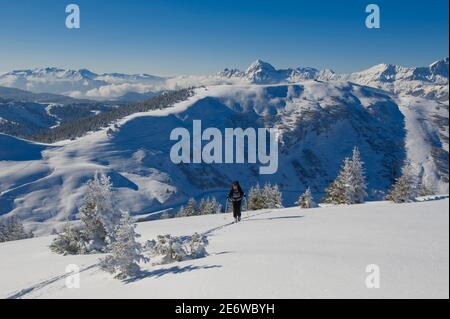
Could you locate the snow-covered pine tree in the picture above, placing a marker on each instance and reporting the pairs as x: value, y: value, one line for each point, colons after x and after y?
x: 168, y: 247
x: 197, y: 246
x: 306, y: 199
x: 203, y: 206
x: 3, y: 236
x: 98, y: 213
x: 93, y: 228
x: 357, y: 186
x: 406, y: 188
x: 273, y: 196
x: 98, y: 217
x: 350, y: 186
x: 12, y: 229
x: 425, y: 190
x: 209, y: 206
x: 267, y: 197
x: 215, y: 206
x: 126, y: 252
x: 335, y: 193
x: 256, y: 199
x: 69, y: 242
x: 190, y: 209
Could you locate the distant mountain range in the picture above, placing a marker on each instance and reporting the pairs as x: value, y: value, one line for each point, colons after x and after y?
x: 79, y: 83
x: 430, y: 81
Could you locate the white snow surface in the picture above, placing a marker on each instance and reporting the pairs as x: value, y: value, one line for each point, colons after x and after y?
x: 284, y: 253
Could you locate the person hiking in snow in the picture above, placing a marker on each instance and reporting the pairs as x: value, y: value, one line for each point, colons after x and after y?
x: 235, y: 196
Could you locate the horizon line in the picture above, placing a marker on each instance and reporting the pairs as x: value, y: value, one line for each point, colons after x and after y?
x: 2, y: 72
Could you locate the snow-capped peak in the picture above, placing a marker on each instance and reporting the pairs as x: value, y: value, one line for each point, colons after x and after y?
x: 382, y: 72
x: 260, y: 72
x: 440, y: 67
x: 260, y: 66
x: 228, y: 73
x: 87, y: 74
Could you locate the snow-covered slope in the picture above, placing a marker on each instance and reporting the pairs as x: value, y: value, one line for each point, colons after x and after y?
x: 286, y: 253
x: 320, y: 123
x: 23, y: 113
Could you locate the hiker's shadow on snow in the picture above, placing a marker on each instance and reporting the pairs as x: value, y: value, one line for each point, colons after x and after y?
x: 272, y: 218
x: 166, y: 271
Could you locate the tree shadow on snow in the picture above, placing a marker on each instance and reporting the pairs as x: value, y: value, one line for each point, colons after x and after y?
x: 165, y: 271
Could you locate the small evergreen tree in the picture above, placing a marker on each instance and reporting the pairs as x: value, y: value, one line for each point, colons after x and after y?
x: 264, y: 198
x: 256, y: 199
x: 273, y: 196
x: 69, y: 242
x: 98, y: 213
x: 197, y: 246
x: 168, y: 247
x: 12, y: 229
x: 3, y: 234
x: 406, y: 188
x: 356, y: 191
x: 335, y: 193
x: 189, y: 210
x: 350, y: 185
x: 209, y: 206
x: 306, y: 199
x: 126, y: 252
x: 174, y: 249
x: 98, y: 220
x: 425, y: 190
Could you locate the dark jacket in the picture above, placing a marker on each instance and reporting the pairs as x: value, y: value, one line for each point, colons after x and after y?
x: 236, y: 195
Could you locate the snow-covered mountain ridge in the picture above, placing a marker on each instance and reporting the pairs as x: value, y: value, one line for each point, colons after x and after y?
x: 430, y: 81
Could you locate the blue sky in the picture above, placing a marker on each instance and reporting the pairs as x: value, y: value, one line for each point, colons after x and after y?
x: 168, y: 37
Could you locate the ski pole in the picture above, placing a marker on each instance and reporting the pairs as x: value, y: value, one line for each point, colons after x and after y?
x: 246, y: 205
x: 226, y: 209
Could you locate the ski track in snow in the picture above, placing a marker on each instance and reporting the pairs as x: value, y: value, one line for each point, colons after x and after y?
x: 43, y: 284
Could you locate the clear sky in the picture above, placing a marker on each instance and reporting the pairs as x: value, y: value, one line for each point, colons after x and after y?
x: 168, y: 37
